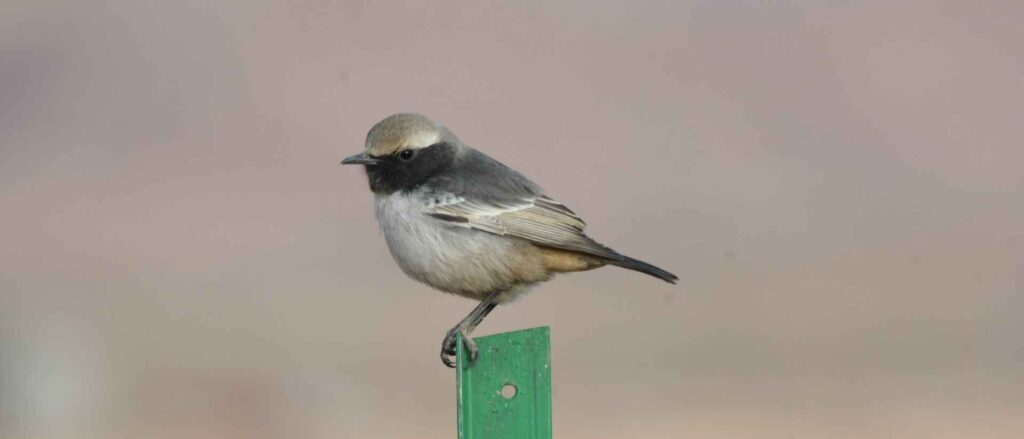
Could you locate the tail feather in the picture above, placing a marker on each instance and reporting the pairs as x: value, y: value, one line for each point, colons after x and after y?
x: 643, y: 267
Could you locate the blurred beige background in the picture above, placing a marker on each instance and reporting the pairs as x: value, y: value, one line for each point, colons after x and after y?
x: 840, y: 186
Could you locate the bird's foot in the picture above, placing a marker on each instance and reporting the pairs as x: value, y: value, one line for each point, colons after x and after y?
x: 450, y: 348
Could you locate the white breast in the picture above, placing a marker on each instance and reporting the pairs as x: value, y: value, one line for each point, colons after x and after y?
x: 449, y: 257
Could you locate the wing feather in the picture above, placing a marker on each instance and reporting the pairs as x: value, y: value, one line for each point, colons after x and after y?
x: 538, y: 219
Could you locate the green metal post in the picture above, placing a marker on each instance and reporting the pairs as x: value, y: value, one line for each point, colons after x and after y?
x: 506, y: 394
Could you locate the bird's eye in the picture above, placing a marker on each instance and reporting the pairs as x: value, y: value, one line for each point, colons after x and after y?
x: 406, y: 155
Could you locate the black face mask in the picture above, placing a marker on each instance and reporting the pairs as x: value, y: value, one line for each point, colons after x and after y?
x: 407, y: 169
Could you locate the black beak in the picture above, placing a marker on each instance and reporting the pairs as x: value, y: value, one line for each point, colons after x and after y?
x: 360, y: 159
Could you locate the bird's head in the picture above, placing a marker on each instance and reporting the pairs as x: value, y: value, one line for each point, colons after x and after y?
x: 403, y: 150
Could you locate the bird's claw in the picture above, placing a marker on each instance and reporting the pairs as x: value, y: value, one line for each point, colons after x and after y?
x: 449, y: 347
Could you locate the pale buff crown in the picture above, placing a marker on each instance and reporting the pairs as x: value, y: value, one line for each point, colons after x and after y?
x: 403, y: 131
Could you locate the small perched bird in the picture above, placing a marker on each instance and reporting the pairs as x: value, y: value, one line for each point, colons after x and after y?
x: 464, y: 223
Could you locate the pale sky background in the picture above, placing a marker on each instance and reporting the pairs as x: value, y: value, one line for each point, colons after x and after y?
x: 838, y: 184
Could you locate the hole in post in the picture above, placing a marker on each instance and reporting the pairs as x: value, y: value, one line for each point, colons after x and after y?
x: 508, y: 391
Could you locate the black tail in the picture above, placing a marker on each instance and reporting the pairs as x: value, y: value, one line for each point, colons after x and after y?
x: 643, y: 267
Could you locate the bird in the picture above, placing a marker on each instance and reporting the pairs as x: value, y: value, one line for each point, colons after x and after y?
x: 463, y: 223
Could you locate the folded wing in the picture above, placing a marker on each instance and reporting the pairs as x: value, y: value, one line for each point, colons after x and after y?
x: 538, y: 219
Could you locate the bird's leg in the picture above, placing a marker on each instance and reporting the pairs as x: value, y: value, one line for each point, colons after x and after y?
x: 466, y: 327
